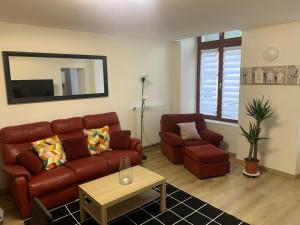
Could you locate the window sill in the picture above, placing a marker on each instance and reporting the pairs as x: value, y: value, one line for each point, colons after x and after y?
x: 221, y: 122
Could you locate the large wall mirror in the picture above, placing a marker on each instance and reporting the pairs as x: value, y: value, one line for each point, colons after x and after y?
x: 35, y: 77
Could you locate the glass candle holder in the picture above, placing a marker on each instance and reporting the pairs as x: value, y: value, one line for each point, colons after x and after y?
x: 125, y: 171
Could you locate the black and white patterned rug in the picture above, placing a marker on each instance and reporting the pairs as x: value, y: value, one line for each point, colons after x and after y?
x: 182, y: 209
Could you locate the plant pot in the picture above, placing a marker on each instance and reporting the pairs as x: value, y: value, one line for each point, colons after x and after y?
x: 251, y: 166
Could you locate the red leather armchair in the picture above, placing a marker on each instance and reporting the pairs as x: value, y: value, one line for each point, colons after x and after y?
x: 59, y: 185
x: 172, y: 145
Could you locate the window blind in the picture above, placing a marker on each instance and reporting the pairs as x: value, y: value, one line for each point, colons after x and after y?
x: 209, y: 82
x: 231, y: 82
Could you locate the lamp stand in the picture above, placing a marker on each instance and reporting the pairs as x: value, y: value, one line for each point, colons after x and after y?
x: 144, y: 157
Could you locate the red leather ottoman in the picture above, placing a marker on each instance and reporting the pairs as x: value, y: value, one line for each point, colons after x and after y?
x: 206, y: 160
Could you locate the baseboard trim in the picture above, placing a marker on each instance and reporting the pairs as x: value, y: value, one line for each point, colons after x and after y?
x: 267, y: 169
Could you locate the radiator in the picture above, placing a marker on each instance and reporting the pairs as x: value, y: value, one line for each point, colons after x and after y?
x: 152, y: 114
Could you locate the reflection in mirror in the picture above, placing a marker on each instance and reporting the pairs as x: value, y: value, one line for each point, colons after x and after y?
x: 41, y: 76
x: 69, y: 76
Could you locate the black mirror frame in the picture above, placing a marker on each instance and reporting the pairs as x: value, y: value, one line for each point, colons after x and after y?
x: 12, y: 100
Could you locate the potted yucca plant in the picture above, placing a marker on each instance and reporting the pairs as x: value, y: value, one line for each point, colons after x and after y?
x: 259, y: 110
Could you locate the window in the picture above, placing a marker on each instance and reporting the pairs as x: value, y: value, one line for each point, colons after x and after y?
x: 232, y: 34
x: 209, y: 81
x: 218, y: 80
x: 210, y: 37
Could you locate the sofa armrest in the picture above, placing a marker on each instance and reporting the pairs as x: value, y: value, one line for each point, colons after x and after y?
x: 171, y: 138
x: 211, y: 136
x: 18, y: 189
x: 135, y: 144
x: 16, y: 171
x: 18, y: 177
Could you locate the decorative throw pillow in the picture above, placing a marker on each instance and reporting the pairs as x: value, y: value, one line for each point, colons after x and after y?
x: 50, y: 151
x: 120, y: 139
x: 30, y: 161
x: 188, y: 131
x: 98, y: 139
x: 75, y: 148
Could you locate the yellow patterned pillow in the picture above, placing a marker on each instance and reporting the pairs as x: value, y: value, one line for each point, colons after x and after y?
x: 50, y: 151
x: 98, y: 139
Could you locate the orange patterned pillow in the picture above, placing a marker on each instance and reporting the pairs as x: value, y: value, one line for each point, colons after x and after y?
x: 98, y: 139
x: 50, y: 151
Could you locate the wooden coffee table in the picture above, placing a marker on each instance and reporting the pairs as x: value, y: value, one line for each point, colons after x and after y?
x: 109, y: 199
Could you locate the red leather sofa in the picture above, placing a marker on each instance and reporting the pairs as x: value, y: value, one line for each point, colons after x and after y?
x: 59, y: 185
x: 172, y: 145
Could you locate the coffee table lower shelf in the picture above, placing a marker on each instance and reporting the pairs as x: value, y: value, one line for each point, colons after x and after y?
x: 123, y: 207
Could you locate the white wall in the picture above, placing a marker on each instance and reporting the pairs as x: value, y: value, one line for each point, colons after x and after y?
x: 175, y: 79
x: 151, y: 128
x: 230, y: 131
x: 188, y: 75
x: 127, y: 60
x: 282, y: 150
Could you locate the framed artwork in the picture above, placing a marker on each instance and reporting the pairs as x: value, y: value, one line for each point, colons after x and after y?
x: 271, y: 75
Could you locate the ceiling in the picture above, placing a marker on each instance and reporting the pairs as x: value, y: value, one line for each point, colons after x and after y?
x: 158, y: 19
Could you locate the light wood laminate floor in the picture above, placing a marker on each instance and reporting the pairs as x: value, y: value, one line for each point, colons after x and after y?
x: 267, y: 200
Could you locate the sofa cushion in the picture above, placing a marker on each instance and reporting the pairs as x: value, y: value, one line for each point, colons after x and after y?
x: 188, y: 131
x: 70, y: 125
x: 120, y: 139
x: 51, y: 151
x: 25, y: 133
x: 169, y: 122
x: 49, y: 181
x: 75, y: 148
x: 97, y: 139
x: 113, y: 158
x: 76, y: 134
x: 15, y: 139
x: 30, y: 161
x: 195, y: 142
x: 99, y: 120
x: 88, y: 168
x: 204, y: 154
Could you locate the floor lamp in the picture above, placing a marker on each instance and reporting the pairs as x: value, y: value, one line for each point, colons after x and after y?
x: 143, y: 79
